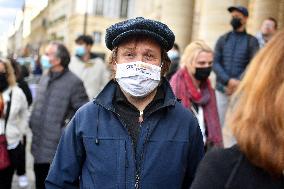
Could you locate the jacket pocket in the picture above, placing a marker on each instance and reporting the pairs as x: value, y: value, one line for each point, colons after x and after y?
x: 104, y: 161
x: 165, y: 163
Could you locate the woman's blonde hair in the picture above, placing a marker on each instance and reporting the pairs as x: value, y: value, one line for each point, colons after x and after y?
x: 10, y: 72
x: 257, y: 116
x: 192, y: 50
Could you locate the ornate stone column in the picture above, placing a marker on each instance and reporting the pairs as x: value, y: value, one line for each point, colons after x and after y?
x: 281, y: 15
x: 260, y: 10
x: 179, y: 16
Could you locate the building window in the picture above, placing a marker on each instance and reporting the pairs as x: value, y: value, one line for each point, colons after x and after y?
x: 123, y: 8
x: 99, y: 7
x: 97, y: 37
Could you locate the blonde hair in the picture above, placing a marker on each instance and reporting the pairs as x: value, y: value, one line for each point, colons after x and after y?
x: 257, y: 117
x: 10, y: 72
x: 192, y: 51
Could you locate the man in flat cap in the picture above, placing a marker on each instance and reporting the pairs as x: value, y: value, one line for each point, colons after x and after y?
x: 233, y: 52
x: 135, y: 134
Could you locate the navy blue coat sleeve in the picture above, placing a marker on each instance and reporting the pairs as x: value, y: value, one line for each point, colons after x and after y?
x: 66, y: 167
x: 217, y: 62
x: 254, y: 47
x: 196, y: 153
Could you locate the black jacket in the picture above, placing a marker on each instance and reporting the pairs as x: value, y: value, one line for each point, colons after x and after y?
x: 230, y: 169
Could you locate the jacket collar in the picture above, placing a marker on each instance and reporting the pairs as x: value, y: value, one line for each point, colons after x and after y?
x: 106, y: 96
x: 55, y: 75
x: 240, y: 33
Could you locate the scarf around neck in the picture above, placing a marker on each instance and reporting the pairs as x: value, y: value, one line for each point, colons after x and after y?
x: 184, y: 89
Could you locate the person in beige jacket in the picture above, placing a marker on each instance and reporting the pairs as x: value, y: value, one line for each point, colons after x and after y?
x: 88, y: 67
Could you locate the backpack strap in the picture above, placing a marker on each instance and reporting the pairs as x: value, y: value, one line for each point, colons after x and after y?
x: 8, y: 111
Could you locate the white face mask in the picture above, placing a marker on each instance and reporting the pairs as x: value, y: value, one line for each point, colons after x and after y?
x: 138, y: 78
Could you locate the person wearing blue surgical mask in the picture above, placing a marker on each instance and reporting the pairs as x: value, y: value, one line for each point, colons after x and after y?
x: 174, y: 55
x: 45, y: 63
x: 60, y: 93
x: 80, y: 51
x: 89, y: 67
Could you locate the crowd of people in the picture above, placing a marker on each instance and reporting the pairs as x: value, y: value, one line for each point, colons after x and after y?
x: 149, y: 118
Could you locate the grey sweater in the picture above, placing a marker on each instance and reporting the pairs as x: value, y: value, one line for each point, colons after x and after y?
x: 59, y: 95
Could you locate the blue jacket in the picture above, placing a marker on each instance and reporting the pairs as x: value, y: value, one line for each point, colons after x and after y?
x: 233, y: 52
x: 96, y: 150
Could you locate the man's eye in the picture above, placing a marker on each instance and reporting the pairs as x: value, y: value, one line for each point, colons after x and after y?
x: 149, y: 56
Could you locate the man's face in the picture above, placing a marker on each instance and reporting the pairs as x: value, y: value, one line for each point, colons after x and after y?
x: 50, y: 52
x: 83, y: 44
x: 148, y: 51
x: 2, y: 68
x: 268, y: 27
x: 239, y: 15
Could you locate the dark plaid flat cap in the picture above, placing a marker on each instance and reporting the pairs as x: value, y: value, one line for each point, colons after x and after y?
x: 160, y: 32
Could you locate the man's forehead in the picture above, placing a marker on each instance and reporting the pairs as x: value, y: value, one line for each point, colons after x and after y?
x: 237, y: 13
x: 132, y: 44
x: 51, y: 48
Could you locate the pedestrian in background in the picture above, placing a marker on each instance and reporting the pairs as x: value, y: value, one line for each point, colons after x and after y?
x: 192, y: 86
x: 174, y: 55
x: 22, y: 84
x: 89, y: 67
x: 60, y: 93
x: 267, y: 30
x: 256, y: 119
x: 13, y: 122
x: 21, y: 81
x: 233, y: 52
x: 135, y: 134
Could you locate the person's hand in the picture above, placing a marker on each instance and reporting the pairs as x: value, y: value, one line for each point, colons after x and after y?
x: 229, y: 91
x: 232, y: 86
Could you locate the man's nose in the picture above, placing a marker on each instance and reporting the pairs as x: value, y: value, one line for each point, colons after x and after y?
x: 139, y: 57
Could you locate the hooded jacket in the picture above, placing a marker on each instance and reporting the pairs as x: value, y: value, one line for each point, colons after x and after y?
x: 97, y: 148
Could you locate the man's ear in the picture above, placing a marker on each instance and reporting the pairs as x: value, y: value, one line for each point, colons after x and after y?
x: 58, y: 61
x: 114, y: 66
x: 89, y: 48
x: 245, y: 20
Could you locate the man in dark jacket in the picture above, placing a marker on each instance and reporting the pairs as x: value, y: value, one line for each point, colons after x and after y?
x: 135, y: 134
x: 60, y: 93
x: 233, y: 52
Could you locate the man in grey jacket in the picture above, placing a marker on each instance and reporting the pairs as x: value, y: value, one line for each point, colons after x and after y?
x: 60, y: 94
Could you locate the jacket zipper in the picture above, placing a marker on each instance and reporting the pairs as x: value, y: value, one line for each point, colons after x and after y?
x: 132, y: 145
x: 137, y: 174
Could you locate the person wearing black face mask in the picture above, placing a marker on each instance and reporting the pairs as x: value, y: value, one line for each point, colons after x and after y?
x: 236, y: 23
x: 13, y: 122
x: 192, y: 86
x: 233, y: 52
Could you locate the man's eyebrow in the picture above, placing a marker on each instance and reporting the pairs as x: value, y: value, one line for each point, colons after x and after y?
x: 127, y: 48
x: 149, y: 50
